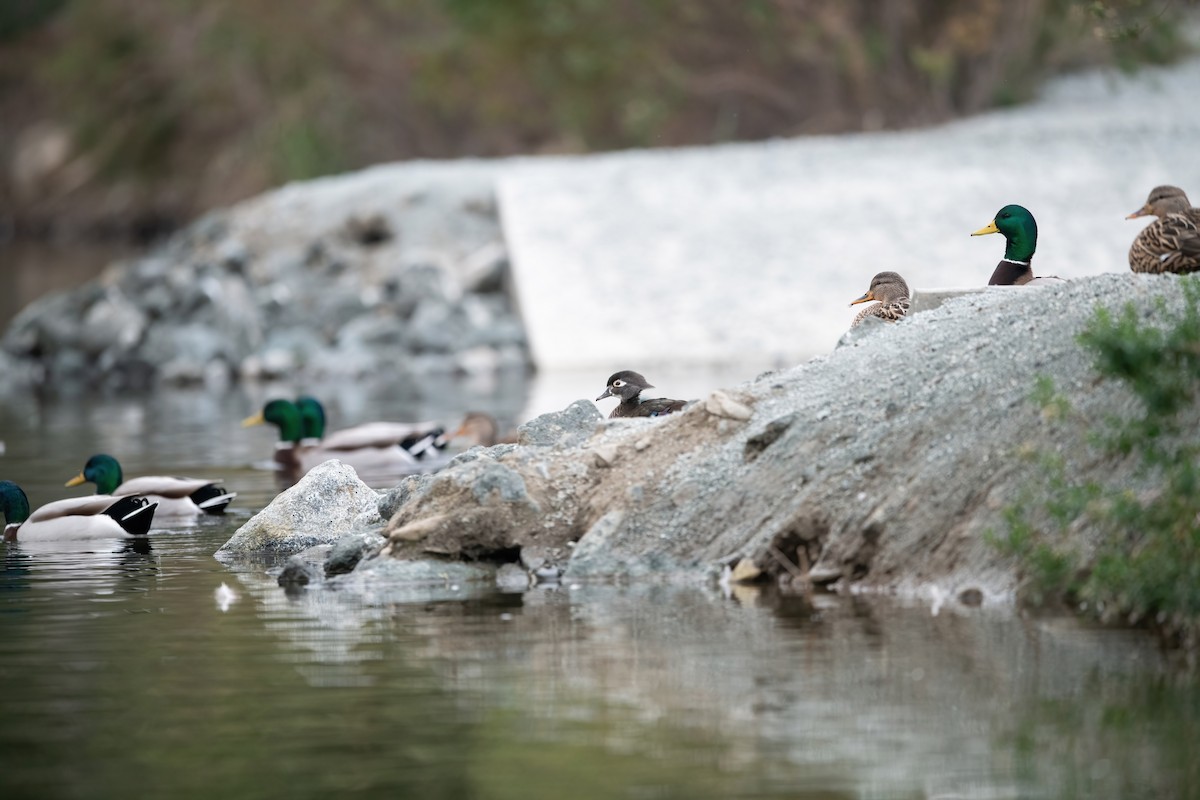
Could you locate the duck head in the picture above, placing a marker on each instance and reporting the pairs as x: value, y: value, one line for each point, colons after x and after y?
x: 102, y: 470
x: 14, y: 504
x: 284, y: 415
x: 312, y: 416
x: 1019, y: 230
x: 1163, y: 200
x: 886, y: 287
x: 625, y: 384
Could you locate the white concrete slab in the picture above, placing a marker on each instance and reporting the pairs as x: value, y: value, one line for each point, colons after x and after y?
x: 750, y: 254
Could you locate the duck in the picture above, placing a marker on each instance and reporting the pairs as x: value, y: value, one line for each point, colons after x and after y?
x: 96, y: 516
x: 480, y: 430
x: 417, y: 438
x: 375, y: 459
x: 1019, y: 228
x: 176, y: 497
x: 891, y: 292
x: 628, y: 386
x: 1172, y: 242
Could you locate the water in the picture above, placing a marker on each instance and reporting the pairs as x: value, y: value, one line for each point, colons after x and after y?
x: 123, y: 673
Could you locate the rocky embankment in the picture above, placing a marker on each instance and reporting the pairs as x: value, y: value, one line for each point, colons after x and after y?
x: 398, y: 272
x: 880, y: 466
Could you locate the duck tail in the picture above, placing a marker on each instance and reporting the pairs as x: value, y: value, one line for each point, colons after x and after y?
x: 133, y: 513
x: 212, y: 499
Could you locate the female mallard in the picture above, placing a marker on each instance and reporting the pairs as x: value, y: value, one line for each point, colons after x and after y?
x: 628, y: 385
x: 891, y: 292
x: 176, y: 497
x: 1020, y: 236
x: 375, y: 459
x: 1172, y: 242
x: 94, y: 517
x: 481, y: 430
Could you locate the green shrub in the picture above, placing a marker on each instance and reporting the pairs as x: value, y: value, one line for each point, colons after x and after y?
x: 1140, y: 557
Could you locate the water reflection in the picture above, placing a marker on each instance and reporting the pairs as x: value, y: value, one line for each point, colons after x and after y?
x: 129, y: 672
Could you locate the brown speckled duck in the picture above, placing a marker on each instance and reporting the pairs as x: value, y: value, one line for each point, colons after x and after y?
x: 891, y: 292
x: 628, y: 386
x: 1172, y: 242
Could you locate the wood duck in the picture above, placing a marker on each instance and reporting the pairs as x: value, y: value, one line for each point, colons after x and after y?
x: 176, y: 497
x: 1172, y: 242
x: 891, y: 292
x: 1020, y: 236
x: 628, y: 385
x: 96, y: 516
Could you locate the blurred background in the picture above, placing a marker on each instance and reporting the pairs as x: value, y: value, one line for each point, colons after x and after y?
x: 121, y: 120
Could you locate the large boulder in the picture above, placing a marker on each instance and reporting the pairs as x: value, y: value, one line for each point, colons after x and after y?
x: 326, y: 504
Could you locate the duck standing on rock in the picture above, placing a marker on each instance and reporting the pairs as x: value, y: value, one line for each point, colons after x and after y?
x: 94, y: 517
x: 1172, y: 242
x: 891, y: 292
x: 628, y: 385
x: 176, y: 497
x: 1020, y: 235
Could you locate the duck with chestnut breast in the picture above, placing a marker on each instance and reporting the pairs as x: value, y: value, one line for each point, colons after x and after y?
x: 1019, y: 229
x: 417, y: 438
x: 296, y: 454
x: 891, y: 293
x: 628, y: 386
x: 176, y: 497
x: 1172, y: 242
x: 94, y: 517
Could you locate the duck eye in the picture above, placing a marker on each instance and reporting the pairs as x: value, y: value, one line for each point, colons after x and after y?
x: 618, y: 384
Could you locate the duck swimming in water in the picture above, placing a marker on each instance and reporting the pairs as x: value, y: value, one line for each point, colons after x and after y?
x: 94, y: 517
x: 176, y: 497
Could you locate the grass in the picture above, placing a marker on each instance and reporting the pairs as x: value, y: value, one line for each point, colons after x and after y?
x: 1124, y: 550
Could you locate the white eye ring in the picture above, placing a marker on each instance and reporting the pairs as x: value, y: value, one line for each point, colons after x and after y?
x: 618, y: 384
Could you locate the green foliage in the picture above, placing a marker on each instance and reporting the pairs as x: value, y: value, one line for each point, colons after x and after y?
x: 1144, y: 561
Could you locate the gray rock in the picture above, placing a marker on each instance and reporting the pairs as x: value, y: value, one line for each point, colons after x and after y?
x: 325, y: 505
x: 351, y: 549
x: 563, y: 428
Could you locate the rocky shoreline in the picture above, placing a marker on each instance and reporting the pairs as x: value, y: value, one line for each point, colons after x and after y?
x: 403, y: 272
x: 880, y: 467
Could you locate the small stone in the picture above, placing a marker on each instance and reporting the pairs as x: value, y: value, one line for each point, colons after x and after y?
x: 720, y: 404
x: 745, y: 571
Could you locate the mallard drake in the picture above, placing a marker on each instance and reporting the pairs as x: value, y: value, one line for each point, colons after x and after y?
x: 1020, y: 236
x: 95, y: 517
x: 891, y: 292
x: 1172, y: 242
x: 176, y: 497
x: 628, y: 386
x: 417, y: 438
x: 375, y: 459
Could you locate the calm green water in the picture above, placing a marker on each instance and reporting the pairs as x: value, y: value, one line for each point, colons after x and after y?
x: 122, y: 675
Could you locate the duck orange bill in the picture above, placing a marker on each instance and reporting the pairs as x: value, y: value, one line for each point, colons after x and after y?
x: 1141, y: 212
x: 989, y: 228
x: 257, y: 419
x: 866, y: 297
x: 76, y: 481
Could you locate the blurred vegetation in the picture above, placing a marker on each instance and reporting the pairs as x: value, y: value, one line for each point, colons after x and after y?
x: 1141, y: 561
x: 180, y: 105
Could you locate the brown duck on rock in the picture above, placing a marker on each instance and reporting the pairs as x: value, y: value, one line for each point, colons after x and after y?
x: 628, y: 386
x: 891, y: 292
x: 1172, y: 242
